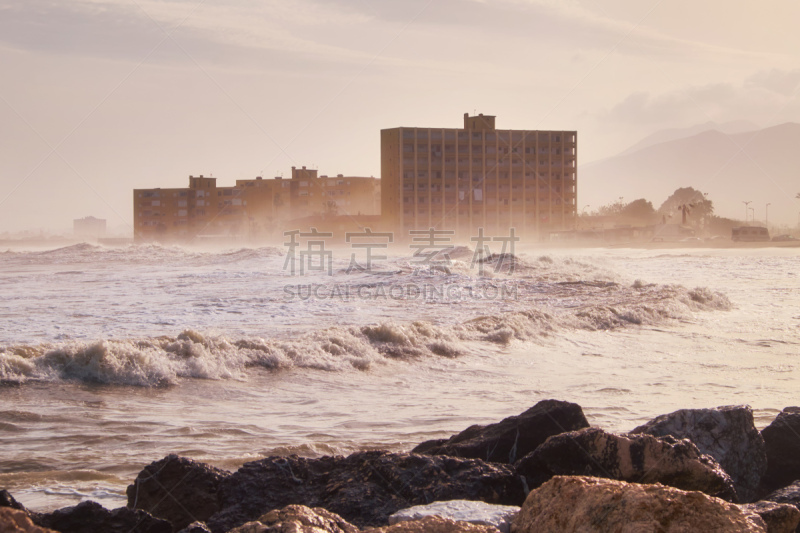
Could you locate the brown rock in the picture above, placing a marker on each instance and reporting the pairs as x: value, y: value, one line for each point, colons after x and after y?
x: 91, y: 517
x: 18, y: 521
x: 782, y: 440
x: 178, y: 490
x: 433, y: 524
x: 298, y: 519
x: 728, y: 434
x: 511, y: 438
x: 633, y: 458
x: 779, y: 517
x: 364, y: 488
x: 586, y: 504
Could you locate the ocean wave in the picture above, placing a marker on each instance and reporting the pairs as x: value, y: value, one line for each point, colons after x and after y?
x: 163, y: 361
x: 141, y: 254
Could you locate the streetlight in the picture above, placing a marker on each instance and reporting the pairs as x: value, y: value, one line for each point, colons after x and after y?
x: 746, y: 206
x: 767, y: 222
x: 753, y: 212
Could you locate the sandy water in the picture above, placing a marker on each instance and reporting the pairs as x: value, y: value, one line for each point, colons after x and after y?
x: 113, y: 358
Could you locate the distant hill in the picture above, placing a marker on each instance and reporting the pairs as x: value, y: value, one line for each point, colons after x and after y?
x: 759, y: 166
x: 662, y: 136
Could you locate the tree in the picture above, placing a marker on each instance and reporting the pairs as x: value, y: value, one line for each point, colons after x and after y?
x: 640, y: 209
x: 612, y: 209
x: 687, y: 201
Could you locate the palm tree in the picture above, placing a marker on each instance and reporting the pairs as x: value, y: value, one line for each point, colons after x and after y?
x: 685, y: 209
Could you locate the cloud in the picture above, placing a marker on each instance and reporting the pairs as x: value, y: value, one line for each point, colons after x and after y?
x: 764, y: 97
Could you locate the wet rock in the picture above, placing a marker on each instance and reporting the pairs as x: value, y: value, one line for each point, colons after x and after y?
x: 634, y: 458
x: 91, y: 517
x: 195, y: 527
x: 298, y: 519
x: 511, y: 438
x: 17, y: 521
x: 779, y: 517
x: 364, y: 488
x: 433, y: 524
x: 782, y: 441
x: 178, y: 490
x: 588, y: 504
x: 497, y: 516
x: 727, y: 434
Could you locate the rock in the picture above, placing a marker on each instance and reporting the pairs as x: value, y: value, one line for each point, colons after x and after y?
x: 779, y: 517
x: 91, y: 517
x: 298, y: 519
x: 588, y: 504
x: 433, y: 524
x: 178, y: 490
x: 364, y: 488
x: 634, y: 458
x: 17, y: 521
x: 7, y: 500
x: 195, y: 527
x: 727, y: 434
x: 790, y: 495
x: 782, y: 442
x: 513, y: 437
x: 497, y: 516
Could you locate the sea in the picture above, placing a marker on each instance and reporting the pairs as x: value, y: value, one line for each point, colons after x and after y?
x: 114, y: 357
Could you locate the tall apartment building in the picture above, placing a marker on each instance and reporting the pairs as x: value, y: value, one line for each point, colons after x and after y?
x: 252, y: 209
x: 479, y: 177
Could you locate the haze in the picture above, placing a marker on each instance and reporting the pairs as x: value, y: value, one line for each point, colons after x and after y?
x: 98, y: 97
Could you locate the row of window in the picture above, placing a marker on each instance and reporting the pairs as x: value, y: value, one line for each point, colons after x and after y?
x: 436, y: 149
x: 489, y: 135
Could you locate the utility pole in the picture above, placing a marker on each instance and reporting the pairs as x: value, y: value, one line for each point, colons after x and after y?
x: 746, y: 206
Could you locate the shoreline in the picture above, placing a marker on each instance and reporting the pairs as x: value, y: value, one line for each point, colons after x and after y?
x: 722, y: 455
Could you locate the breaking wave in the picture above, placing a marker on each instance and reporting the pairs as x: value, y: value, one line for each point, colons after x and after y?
x: 159, y: 361
x: 138, y: 254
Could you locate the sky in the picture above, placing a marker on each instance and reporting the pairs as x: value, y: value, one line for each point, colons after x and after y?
x: 98, y: 97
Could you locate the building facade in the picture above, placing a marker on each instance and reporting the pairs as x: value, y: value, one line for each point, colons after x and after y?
x: 252, y: 209
x: 479, y: 177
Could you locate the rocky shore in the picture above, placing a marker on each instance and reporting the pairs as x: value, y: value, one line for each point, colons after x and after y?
x: 543, y: 470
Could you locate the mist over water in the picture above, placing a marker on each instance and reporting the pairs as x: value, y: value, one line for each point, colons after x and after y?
x: 113, y: 358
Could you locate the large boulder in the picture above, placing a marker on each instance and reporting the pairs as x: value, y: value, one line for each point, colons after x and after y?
x: 498, y: 516
x: 298, y: 519
x: 178, y: 490
x: 790, y: 495
x: 634, y: 458
x: 91, y: 517
x: 17, y: 521
x: 779, y: 517
x: 364, y: 488
x: 727, y: 434
x: 511, y: 438
x: 588, y: 504
x: 433, y: 524
x: 782, y: 441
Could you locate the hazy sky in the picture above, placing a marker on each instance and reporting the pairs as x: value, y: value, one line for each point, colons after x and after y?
x: 98, y: 97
